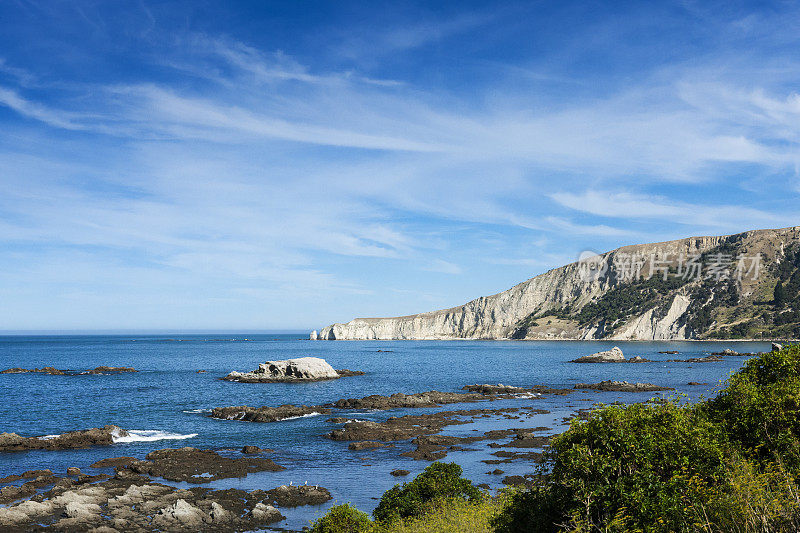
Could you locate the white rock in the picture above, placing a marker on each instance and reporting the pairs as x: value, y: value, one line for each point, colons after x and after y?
x: 314, y: 335
x: 302, y: 369
x: 265, y: 513
x: 181, y: 511
x: 82, y: 510
x: 614, y: 355
x: 776, y: 347
x: 218, y: 513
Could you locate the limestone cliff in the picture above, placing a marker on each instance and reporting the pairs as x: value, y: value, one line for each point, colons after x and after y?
x: 639, y: 292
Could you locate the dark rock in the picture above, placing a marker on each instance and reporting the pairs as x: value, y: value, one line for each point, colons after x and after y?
x: 11, y: 442
x: 251, y: 449
x: 399, y: 473
x: 621, y: 386
x: 26, y: 475
x: 46, y: 370
x: 493, y: 389
x: 517, y: 481
x: 696, y: 383
x: 113, y: 462
x: 198, y: 466
x: 111, y: 370
x: 400, y: 400
x: 706, y: 359
x: 365, y: 445
x: 496, y: 472
x: 267, y: 414
x: 73, y: 471
x: 347, y: 373
x: 671, y: 352
x: 295, y: 496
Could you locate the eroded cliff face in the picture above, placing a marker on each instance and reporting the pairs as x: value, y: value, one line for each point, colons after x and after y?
x: 563, y: 292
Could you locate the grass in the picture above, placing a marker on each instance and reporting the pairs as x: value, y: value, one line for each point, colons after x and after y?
x: 452, y: 516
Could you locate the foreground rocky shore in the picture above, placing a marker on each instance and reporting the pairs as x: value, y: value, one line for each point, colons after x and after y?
x: 135, y: 494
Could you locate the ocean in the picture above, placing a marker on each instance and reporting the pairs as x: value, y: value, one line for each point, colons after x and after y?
x: 166, y: 403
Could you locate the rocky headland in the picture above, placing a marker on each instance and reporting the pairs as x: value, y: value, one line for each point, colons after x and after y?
x: 638, y: 292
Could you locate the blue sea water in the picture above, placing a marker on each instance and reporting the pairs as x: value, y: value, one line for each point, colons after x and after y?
x: 169, y: 398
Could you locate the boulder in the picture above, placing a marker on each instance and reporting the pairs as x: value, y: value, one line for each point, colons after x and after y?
x: 290, y: 370
x: 266, y: 513
x: 614, y: 355
x: 181, y: 513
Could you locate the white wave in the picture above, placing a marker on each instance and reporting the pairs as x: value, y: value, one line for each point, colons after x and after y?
x: 148, y: 435
x: 48, y: 437
x: 300, y: 416
x: 195, y: 411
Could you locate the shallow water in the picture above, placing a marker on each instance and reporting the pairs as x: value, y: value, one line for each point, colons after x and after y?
x: 166, y: 402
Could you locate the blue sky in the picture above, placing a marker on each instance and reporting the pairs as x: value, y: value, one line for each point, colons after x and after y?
x: 270, y: 165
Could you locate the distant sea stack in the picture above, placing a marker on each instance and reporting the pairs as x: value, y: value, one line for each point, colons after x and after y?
x: 727, y: 287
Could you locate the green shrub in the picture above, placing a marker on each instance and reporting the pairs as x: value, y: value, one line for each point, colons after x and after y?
x: 343, y: 519
x: 729, y: 464
x: 626, y: 468
x: 438, y: 481
x: 760, y: 408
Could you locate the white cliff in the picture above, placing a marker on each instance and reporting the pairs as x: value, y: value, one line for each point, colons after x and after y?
x: 498, y: 316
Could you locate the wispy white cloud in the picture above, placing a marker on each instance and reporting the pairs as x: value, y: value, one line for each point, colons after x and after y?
x: 624, y: 205
x: 255, y: 174
x: 27, y: 108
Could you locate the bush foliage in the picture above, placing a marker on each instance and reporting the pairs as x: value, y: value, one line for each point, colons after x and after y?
x: 760, y: 408
x: 438, y: 481
x: 343, y: 519
x: 728, y: 464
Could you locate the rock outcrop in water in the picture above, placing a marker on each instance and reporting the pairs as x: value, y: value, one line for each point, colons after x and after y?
x: 100, y: 370
x: 288, y: 371
x: 639, y: 292
x: 267, y: 414
x: 621, y: 386
x: 614, y: 355
x: 11, y: 442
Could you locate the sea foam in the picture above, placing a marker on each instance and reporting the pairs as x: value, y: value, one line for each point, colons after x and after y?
x: 149, y: 435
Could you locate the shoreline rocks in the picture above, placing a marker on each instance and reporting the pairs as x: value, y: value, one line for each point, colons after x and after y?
x: 303, y: 369
x: 12, y: 442
x: 621, y: 386
x: 120, y: 504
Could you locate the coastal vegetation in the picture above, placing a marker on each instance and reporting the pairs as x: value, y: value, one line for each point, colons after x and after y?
x: 730, y: 463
